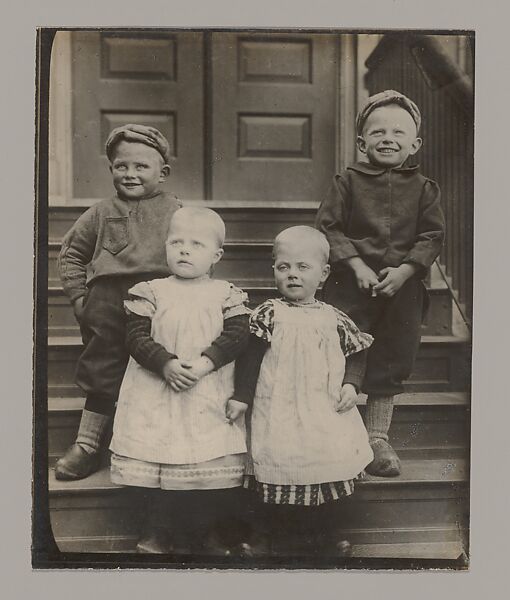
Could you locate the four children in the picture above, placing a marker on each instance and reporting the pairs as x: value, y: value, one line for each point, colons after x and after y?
x: 179, y: 434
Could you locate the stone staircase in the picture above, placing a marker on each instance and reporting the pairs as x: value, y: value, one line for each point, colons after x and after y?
x: 423, y: 514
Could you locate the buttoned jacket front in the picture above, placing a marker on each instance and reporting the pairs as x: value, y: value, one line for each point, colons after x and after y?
x: 385, y: 216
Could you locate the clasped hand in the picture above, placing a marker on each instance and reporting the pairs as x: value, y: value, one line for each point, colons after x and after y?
x: 387, y: 282
x: 183, y: 374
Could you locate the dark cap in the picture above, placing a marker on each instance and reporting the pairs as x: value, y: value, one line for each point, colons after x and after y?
x: 141, y: 134
x: 383, y: 99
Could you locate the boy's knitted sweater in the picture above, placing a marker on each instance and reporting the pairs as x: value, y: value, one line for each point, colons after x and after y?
x: 116, y: 237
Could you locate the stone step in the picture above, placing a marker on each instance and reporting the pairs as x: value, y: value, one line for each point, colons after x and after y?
x: 431, y: 551
x: 425, y: 424
x: 443, y: 365
x: 243, y: 220
x: 427, y: 504
x: 61, y: 319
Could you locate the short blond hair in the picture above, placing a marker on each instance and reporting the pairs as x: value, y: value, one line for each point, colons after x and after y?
x: 300, y: 232
x: 204, y: 216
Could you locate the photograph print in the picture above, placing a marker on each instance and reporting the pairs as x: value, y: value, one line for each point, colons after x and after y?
x: 253, y: 298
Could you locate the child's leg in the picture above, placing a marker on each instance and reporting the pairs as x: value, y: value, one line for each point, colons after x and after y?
x: 390, y: 362
x: 99, y: 373
x: 154, y: 537
x: 220, y: 522
x: 330, y: 522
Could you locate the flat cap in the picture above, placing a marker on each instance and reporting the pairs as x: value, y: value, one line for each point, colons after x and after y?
x: 142, y: 134
x: 383, y: 99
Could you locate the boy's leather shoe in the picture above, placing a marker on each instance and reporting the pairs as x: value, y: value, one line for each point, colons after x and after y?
x: 77, y: 463
x: 155, y: 541
x: 386, y: 462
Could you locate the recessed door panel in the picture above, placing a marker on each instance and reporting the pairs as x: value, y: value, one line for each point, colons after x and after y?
x: 273, y: 116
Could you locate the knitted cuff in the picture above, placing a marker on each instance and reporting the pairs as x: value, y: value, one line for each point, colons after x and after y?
x: 378, y: 416
x: 92, y: 429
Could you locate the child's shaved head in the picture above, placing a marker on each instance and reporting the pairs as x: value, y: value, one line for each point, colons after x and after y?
x: 303, y: 235
x: 206, y: 218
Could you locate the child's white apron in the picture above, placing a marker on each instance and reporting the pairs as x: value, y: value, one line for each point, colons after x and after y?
x: 155, y: 424
x: 297, y: 437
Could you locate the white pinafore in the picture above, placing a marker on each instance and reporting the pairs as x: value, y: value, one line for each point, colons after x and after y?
x: 297, y: 437
x: 152, y: 422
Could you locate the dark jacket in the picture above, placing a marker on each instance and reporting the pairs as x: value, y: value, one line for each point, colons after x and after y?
x: 385, y: 216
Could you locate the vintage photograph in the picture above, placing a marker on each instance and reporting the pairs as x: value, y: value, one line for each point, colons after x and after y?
x: 254, y: 291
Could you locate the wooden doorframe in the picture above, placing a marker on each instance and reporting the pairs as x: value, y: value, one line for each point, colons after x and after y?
x: 60, y: 157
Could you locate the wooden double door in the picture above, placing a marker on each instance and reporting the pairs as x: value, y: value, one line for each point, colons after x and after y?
x: 249, y: 116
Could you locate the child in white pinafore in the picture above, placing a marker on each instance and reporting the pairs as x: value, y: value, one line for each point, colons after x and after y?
x: 177, y: 433
x: 302, y: 370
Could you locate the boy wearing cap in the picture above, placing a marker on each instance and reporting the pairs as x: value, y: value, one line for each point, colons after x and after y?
x: 115, y: 244
x: 385, y: 226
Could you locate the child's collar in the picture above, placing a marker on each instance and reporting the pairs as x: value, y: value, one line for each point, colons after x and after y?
x: 370, y: 169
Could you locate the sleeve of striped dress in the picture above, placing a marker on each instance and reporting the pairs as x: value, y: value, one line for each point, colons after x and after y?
x: 231, y: 342
x: 147, y: 353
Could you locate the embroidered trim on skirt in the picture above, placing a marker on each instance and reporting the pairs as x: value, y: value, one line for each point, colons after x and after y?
x: 219, y: 473
x: 312, y: 494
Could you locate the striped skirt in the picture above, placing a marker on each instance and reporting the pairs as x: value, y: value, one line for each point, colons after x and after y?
x: 313, y: 494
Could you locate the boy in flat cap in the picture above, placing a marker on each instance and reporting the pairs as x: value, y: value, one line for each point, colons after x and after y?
x: 385, y: 226
x: 114, y: 245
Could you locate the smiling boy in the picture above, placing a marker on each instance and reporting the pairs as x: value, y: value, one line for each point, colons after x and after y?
x: 385, y: 226
x: 115, y: 244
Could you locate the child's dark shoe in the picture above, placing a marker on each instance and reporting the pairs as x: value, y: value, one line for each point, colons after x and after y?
x: 343, y: 549
x: 77, y: 463
x: 155, y: 541
x: 260, y: 545
x: 242, y: 550
x: 386, y: 462
x: 216, y: 545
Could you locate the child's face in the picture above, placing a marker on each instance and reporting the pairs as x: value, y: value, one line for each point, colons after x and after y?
x: 191, y: 248
x: 299, y: 269
x: 389, y: 136
x: 137, y: 170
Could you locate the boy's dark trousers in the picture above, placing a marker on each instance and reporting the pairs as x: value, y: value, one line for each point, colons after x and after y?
x: 103, y: 361
x: 394, y: 322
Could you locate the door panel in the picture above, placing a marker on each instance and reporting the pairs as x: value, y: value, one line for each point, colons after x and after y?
x: 273, y: 116
x: 149, y: 78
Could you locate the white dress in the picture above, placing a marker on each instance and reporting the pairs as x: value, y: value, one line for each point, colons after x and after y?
x: 297, y: 437
x: 179, y: 440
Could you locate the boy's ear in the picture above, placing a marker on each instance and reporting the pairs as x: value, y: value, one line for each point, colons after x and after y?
x: 165, y: 172
x: 362, y: 145
x: 415, y: 146
x: 325, y: 273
